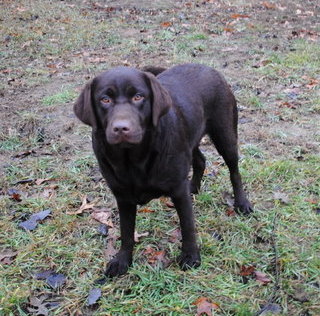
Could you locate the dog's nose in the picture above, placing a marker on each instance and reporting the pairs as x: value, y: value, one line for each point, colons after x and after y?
x: 121, y: 127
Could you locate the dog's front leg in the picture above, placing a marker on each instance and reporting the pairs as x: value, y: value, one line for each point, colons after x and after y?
x: 120, y: 263
x: 190, y: 256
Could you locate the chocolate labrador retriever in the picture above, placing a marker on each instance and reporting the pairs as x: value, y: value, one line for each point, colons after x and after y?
x: 146, y: 132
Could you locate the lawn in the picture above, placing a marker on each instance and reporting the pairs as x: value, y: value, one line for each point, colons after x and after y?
x: 267, y: 263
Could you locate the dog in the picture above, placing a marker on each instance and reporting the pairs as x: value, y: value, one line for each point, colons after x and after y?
x: 146, y: 131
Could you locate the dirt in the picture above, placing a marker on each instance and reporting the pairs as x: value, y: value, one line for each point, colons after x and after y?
x: 279, y: 23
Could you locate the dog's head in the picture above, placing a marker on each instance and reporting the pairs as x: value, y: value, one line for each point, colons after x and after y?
x: 124, y: 102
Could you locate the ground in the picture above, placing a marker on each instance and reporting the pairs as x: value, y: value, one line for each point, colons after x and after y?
x: 268, y: 51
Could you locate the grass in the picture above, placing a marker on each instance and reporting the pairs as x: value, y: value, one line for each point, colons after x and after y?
x: 279, y: 160
x: 65, y: 96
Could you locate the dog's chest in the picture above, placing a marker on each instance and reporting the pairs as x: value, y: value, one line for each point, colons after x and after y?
x: 143, y: 184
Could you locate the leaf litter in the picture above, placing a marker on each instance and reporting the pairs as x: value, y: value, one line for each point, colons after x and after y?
x: 7, y: 256
x: 43, y: 303
x: 204, y: 306
x: 34, y: 220
x: 53, y: 279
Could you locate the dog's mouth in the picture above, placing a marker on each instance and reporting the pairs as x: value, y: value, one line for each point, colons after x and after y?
x: 124, y: 140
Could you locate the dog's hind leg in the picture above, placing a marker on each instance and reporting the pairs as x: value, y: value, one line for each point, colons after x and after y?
x: 225, y: 141
x: 198, y: 166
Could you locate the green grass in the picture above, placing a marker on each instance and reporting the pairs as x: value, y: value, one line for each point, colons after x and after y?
x: 62, y: 97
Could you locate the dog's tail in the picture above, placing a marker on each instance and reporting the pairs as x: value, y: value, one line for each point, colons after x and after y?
x: 154, y: 69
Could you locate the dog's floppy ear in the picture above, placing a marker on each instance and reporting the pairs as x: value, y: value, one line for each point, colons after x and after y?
x: 83, y: 106
x: 161, y: 101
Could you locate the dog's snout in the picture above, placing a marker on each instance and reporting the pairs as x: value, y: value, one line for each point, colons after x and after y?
x: 121, y: 127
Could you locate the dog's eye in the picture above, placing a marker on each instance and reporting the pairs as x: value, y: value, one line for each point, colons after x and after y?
x: 138, y: 97
x: 106, y: 100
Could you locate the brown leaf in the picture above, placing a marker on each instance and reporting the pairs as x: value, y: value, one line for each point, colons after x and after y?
x: 145, y: 210
x: 41, y: 181
x: 237, y: 16
x: 16, y: 197
x: 204, y: 306
x: 137, y: 236
x: 7, y: 256
x: 230, y: 212
x: 262, y: 277
x: 48, y: 193
x: 288, y: 105
x: 311, y: 82
x: 155, y: 257
x: 175, y: 235
x: 269, y: 5
x: 102, y: 216
x: 84, y: 206
x: 167, y: 202
x: 262, y: 63
x: 166, y: 24
x: 229, y: 29
x: 228, y: 199
x: 247, y: 270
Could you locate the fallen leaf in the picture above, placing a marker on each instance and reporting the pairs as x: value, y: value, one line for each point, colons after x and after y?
x: 28, y: 225
x: 269, y: 309
x: 312, y: 83
x: 102, y: 216
x: 204, y: 306
x: 137, y: 236
x: 166, y: 201
x: 15, y: 195
x: 56, y: 280
x: 166, y: 24
x: 41, y: 215
x: 229, y: 29
x: 41, y: 181
x: 43, y: 275
x: 94, y: 296
x: 230, y: 212
x: 84, y: 206
x: 32, y: 222
x: 53, y: 279
x: 262, y: 63
x: 247, y: 270
x: 237, y: 16
x: 175, y: 236
x: 103, y: 229
x: 228, y: 199
x: 48, y: 193
x: 7, y: 256
x: 145, y: 210
x: 269, y: 5
x: 156, y: 258
x: 287, y: 105
x: 37, y: 305
x: 262, y: 277
x: 282, y: 197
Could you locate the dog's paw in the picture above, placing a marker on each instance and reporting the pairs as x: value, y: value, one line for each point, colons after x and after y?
x: 117, y: 266
x: 188, y: 260
x: 243, y: 207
